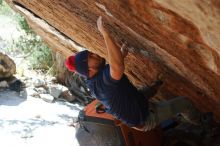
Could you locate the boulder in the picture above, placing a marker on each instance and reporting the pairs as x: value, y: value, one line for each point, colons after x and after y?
x: 41, y: 90
x: 68, y: 96
x: 4, y: 84
x: 175, y: 40
x: 55, y: 90
x: 7, y: 66
x: 31, y: 92
x: 47, y: 97
x: 37, y: 82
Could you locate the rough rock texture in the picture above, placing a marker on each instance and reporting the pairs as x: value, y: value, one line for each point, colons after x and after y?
x: 7, y: 66
x: 176, y: 40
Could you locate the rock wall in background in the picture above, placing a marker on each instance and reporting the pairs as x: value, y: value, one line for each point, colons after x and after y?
x: 7, y: 66
x: 176, y: 40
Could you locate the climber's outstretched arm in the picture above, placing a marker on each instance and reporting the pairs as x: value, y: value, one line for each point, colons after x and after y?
x: 115, y: 56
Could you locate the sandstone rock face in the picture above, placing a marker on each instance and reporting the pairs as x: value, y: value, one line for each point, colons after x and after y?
x: 176, y: 40
x: 7, y: 66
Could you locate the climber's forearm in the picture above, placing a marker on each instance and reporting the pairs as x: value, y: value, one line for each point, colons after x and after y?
x: 115, y: 56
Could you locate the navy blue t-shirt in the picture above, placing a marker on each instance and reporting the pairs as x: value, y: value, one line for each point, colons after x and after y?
x: 120, y: 97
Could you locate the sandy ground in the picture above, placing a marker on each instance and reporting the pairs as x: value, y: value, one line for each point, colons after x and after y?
x: 29, y: 121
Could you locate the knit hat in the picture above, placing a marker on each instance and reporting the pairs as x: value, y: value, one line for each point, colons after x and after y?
x: 78, y: 63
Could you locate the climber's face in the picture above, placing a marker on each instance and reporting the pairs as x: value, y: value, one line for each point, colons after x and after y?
x: 95, y: 63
